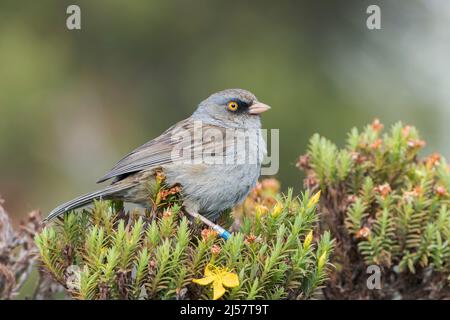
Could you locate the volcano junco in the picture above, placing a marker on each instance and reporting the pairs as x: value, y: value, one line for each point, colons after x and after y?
x: 215, y: 156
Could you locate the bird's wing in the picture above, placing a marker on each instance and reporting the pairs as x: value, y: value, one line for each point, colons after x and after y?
x: 159, y: 151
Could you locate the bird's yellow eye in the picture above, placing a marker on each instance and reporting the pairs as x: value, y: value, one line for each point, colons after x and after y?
x: 233, y: 106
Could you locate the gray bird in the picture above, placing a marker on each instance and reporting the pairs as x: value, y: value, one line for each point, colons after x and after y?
x: 215, y: 156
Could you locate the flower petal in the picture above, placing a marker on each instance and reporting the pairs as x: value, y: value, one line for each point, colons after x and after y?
x: 322, y: 260
x: 204, y: 281
x: 313, y: 200
x: 230, y: 279
x: 218, y: 289
x: 208, y: 271
x: 308, y: 240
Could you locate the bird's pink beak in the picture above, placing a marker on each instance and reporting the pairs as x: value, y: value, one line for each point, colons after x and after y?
x: 258, y: 107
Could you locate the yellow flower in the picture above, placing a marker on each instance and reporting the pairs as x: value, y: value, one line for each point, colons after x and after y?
x: 322, y: 260
x: 314, y: 199
x: 308, y: 240
x: 219, y: 277
x: 277, y: 210
x: 260, y: 210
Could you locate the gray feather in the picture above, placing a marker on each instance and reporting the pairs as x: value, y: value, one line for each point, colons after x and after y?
x: 87, y: 198
x: 150, y: 155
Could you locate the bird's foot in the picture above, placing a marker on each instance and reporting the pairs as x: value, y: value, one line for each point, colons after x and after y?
x: 221, y: 231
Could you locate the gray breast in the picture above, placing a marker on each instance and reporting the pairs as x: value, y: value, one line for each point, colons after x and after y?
x: 214, y: 187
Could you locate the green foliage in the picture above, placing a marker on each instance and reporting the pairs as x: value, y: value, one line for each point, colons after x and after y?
x: 142, y: 256
x: 381, y: 201
x: 355, y: 216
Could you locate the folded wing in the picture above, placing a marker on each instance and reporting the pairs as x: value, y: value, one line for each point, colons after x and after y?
x: 160, y: 151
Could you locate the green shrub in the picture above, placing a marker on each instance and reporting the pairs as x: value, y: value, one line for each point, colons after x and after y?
x: 105, y: 254
x: 385, y: 207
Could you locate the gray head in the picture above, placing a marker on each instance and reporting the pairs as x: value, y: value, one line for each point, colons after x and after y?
x: 235, y: 108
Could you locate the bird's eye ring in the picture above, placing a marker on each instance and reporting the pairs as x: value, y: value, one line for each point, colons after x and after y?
x: 233, y: 105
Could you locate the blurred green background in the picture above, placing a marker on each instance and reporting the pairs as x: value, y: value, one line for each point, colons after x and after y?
x: 72, y: 103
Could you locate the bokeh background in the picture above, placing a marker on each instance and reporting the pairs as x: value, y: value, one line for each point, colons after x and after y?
x: 74, y: 102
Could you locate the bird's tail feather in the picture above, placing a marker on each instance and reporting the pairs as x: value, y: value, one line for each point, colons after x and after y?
x: 86, y: 199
